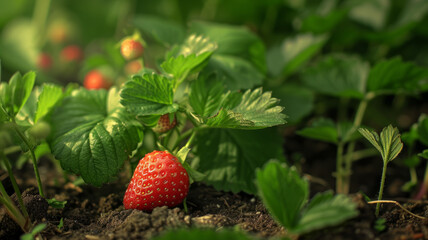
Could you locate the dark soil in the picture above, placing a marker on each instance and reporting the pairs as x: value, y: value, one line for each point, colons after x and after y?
x: 98, y: 213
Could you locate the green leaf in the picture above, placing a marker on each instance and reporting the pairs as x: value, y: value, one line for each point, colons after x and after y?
x: 372, y: 137
x: 326, y: 210
x: 229, y: 158
x: 338, y: 75
x: 196, y: 45
x: 148, y: 94
x: 189, y: 57
x: 26, y: 115
x: 394, y: 74
x: 323, y: 22
x: 56, y: 204
x: 391, y: 143
x: 206, y: 234
x: 20, y: 88
x: 388, y: 144
x: 206, y: 96
x: 194, y: 175
x: 179, y: 67
x: 166, y: 32
x: 91, y: 138
x: 283, y: 192
x: 294, y: 52
x: 371, y: 13
x: 239, y: 60
x: 321, y: 129
x: 255, y: 110
x: 422, y: 130
x: 49, y: 96
x: 297, y: 101
x: 233, y: 41
x: 236, y: 73
x: 424, y: 154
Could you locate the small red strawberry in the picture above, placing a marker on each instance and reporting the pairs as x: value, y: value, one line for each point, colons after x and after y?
x: 158, y: 180
x: 44, y: 61
x: 96, y: 80
x: 131, y: 49
x: 164, y: 124
x: 72, y: 53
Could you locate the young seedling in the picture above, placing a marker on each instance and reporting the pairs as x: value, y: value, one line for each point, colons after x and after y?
x: 389, y: 146
x: 286, y: 196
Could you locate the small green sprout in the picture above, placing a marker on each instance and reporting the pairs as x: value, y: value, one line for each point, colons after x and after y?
x: 389, y: 145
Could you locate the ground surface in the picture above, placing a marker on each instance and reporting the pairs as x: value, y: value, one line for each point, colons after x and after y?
x: 97, y: 213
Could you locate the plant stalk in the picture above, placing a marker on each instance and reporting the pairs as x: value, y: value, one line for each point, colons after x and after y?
x: 15, y: 186
x: 339, y: 168
x: 40, y: 16
x: 351, y: 147
x: 382, y: 185
x: 33, y: 158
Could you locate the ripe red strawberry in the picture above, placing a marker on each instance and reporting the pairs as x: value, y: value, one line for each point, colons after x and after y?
x: 164, y: 124
x: 158, y: 180
x: 71, y: 53
x: 131, y: 49
x: 96, y: 80
x: 44, y: 61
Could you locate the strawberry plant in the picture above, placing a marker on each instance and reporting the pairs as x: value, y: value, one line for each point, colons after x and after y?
x: 118, y: 91
x: 389, y: 146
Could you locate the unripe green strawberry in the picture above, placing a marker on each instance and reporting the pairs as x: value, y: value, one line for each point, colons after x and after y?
x: 159, y: 180
x: 40, y: 130
x: 133, y: 67
x: 131, y: 49
x: 164, y: 124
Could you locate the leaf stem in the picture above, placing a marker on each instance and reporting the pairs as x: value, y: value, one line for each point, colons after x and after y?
x: 182, y: 137
x: 192, y: 137
x: 15, y: 186
x: 40, y: 15
x: 339, y: 168
x: 382, y: 185
x: 13, y: 211
x: 33, y: 157
x: 351, y: 147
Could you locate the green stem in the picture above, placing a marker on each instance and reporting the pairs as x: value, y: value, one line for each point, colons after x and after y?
x: 361, y: 154
x: 357, y: 123
x: 15, y: 186
x: 40, y: 16
x: 182, y: 137
x: 11, y: 150
x: 382, y: 184
x: 33, y: 157
x: 13, y: 211
x: 339, y: 168
x: 192, y: 137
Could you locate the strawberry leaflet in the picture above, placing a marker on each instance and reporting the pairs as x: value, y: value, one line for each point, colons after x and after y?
x: 93, y: 135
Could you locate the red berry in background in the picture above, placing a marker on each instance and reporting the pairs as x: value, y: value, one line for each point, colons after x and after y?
x: 164, y: 124
x: 158, y: 180
x: 96, y: 80
x: 72, y: 53
x: 133, y: 67
x: 131, y: 49
x: 44, y: 61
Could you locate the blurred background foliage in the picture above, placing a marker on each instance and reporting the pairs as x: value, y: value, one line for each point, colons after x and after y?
x: 295, y: 35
